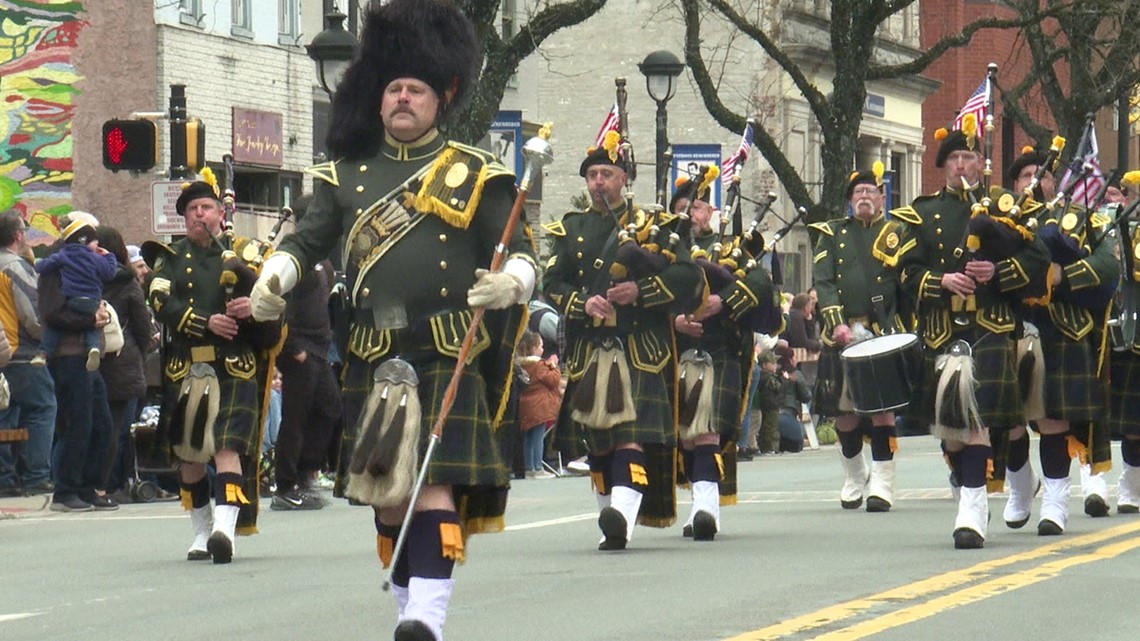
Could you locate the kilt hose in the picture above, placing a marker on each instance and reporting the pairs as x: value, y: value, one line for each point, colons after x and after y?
x: 467, y: 457
x: 1124, y: 397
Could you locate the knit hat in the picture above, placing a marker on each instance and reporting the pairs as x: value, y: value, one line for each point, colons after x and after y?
x: 80, y: 228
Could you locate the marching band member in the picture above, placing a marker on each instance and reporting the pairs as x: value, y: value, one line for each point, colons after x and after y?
x: 716, y: 347
x: 859, y: 293
x: 966, y: 304
x: 619, y: 351
x: 211, y: 371
x: 1069, y: 348
x: 1124, y: 406
x: 405, y: 201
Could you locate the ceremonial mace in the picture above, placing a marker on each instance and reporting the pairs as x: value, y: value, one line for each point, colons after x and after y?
x: 538, y: 154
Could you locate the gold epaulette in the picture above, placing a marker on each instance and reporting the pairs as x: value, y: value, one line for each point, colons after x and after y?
x: 888, y: 246
x: 555, y: 228
x: 1099, y: 221
x: 907, y: 214
x: 325, y: 171
x: 823, y: 228
x: 453, y: 187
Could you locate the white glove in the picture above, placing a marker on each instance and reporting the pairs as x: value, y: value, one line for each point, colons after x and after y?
x: 497, y: 290
x: 278, y: 276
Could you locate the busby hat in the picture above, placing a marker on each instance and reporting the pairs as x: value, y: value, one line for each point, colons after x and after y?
x: 80, y: 228
x: 967, y: 138
x: 872, y: 177
x: 1029, y: 156
x: 430, y: 40
x: 607, y: 154
x: 205, y: 188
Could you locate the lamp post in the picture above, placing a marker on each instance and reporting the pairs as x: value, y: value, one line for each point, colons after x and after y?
x: 661, y: 69
x: 332, y: 50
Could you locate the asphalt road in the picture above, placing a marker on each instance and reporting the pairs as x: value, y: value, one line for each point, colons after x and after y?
x: 789, y: 564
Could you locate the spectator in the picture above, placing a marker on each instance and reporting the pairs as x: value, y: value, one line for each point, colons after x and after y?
x: 539, y: 402
x: 769, y: 396
x: 123, y: 371
x: 83, y: 268
x: 138, y: 262
x: 24, y: 467
x: 794, y: 394
x: 803, y: 336
x: 83, y: 429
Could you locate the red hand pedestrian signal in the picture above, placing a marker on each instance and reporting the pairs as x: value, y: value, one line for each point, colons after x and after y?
x: 130, y: 145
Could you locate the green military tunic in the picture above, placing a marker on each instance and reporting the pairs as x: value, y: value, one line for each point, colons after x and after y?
x: 856, y: 278
x: 416, y: 222
x: 989, y: 319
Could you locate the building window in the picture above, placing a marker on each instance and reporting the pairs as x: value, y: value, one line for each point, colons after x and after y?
x: 898, y: 162
x: 288, y: 22
x: 190, y: 12
x: 242, y: 18
x: 509, y: 13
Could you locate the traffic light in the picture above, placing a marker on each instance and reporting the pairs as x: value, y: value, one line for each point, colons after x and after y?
x: 195, y: 145
x: 130, y: 145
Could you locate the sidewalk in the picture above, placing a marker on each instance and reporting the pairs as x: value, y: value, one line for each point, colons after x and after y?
x: 18, y: 506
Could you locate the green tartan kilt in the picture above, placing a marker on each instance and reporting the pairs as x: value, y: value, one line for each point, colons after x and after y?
x: 468, y: 453
x: 238, y: 427
x: 1072, y: 390
x: 1124, y: 397
x: 652, y: 394
x: 995, y: 370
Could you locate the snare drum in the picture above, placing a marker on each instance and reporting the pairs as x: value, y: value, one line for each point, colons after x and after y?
x: 881, y: 373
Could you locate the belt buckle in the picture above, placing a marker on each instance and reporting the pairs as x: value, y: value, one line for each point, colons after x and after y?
x: 203, y: 354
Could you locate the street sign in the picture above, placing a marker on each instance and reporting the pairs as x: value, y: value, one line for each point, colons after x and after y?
x: 165, y: 220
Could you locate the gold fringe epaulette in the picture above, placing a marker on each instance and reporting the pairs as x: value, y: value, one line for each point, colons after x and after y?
x: 325, y: 171
x: 453, y: 187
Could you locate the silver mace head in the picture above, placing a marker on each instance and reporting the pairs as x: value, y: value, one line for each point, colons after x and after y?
x: 538, y: 153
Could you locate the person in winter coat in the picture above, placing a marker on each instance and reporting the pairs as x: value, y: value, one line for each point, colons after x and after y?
x: 539, y: 402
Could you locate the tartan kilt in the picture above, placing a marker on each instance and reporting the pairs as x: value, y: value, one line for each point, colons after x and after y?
x: 1124, y: 397
x: 468, y: 453
x: 827, y: 396
x: 995, y: 371
x: 238, y: 426
x: 1072, y: 390
x: 652, y: 397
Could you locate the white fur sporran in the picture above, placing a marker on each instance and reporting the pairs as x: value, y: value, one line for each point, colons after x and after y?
x: 197, y: 410
x: 385, y: 460
x: 603, y: 397
x: 696, y: 383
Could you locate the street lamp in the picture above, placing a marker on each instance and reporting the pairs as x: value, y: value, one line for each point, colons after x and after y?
x: 332, y: 50
x: 661, y: 69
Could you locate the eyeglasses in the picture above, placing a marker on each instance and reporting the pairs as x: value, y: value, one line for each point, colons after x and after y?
x: 865, y: 191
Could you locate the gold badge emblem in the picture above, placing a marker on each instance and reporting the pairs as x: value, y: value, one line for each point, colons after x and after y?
x: 456, y: 175
x: 1005, y: 203
x: 1136, y: 252
x: 892, y: 240
x: 1069, y: 221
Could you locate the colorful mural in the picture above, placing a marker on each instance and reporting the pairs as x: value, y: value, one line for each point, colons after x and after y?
x: 37, y: 102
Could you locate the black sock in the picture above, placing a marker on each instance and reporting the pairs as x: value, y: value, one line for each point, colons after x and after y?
x: 434, y: 544
x: 703, y: 463
x: 1017, y: 454
x: 973, y: 463
x: 884, y: 440
x: 851, y: 443
x: 196, y: 494
x: 228, y: 489
x: 1130, y: 451
x: 600, y: 472
x: 1055, y: 459
x: 385, y: 544
x: 628, y: 470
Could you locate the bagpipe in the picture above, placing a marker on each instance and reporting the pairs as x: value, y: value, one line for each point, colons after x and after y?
x: 1123, y: 312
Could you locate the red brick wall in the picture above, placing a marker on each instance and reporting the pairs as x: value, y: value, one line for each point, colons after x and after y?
x: 961, y: 71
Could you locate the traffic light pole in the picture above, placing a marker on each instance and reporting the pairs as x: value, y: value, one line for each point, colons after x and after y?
x: 178, y: 163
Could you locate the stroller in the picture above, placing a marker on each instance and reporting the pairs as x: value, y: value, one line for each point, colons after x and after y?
x: 144, y: 468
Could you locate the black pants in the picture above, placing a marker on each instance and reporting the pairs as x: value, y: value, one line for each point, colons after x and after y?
x: 310, y: 411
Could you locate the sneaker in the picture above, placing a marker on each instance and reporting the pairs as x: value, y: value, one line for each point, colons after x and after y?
x: 294, y: 500
x: 94, y: 357
x: 542, y: 474
x: 579, y: 467
x: 73, y: 504
x: 101, y: 503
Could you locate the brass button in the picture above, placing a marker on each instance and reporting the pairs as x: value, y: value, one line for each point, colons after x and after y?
x: 189, y: 256
x: 838, y: 276
x: 443, y: 238
x: 579, y: 255
x: 938, y: 231
x: 941, y: 246
x: 360, y: 189
x: 363, y: 168
x: 443, y: 264
x: 455, y: 341
x: 189, y: 285
x: 189, y: 270
x: 580, y: 239
x: 839, y: 291
x: 365, y: 292
x: 844, y: 231
x: 840, y: 261
x: 937, y: 216
x: 191, y: 301
x: 842, y: 245
x: 879, y: 278
x: 443, y: 292
x: 581, y: 273
x: 359, y: 211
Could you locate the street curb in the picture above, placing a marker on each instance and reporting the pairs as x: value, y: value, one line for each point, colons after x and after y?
x: 22, y: 506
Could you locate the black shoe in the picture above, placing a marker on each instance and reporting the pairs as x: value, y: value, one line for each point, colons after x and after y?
x: 1126, y: 509
x: 101, y: 503
x: 1095, y: 506
x: 73, y: 504
x: 704, y: 526
x: 967, y: 539
x: 876, y: 504
x: 613, y: 526
x: 851, y: 505
x: 687, y: 531
x: 1048, y: 528
x: 198, y: 555
x: 220, y: 547
x: 294, y: 500
x: 413, y: 630
x: 743, y: 455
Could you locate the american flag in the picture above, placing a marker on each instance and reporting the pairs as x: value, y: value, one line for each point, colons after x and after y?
x: 975, y: 105
x: 728, y: 167
x: 1092, y: 183
x: 612, y: 123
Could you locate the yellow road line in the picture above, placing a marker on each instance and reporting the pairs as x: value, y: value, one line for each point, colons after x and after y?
x: 939, y: 583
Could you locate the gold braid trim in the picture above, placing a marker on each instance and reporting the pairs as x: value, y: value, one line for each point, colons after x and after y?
x: 505, y: 399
